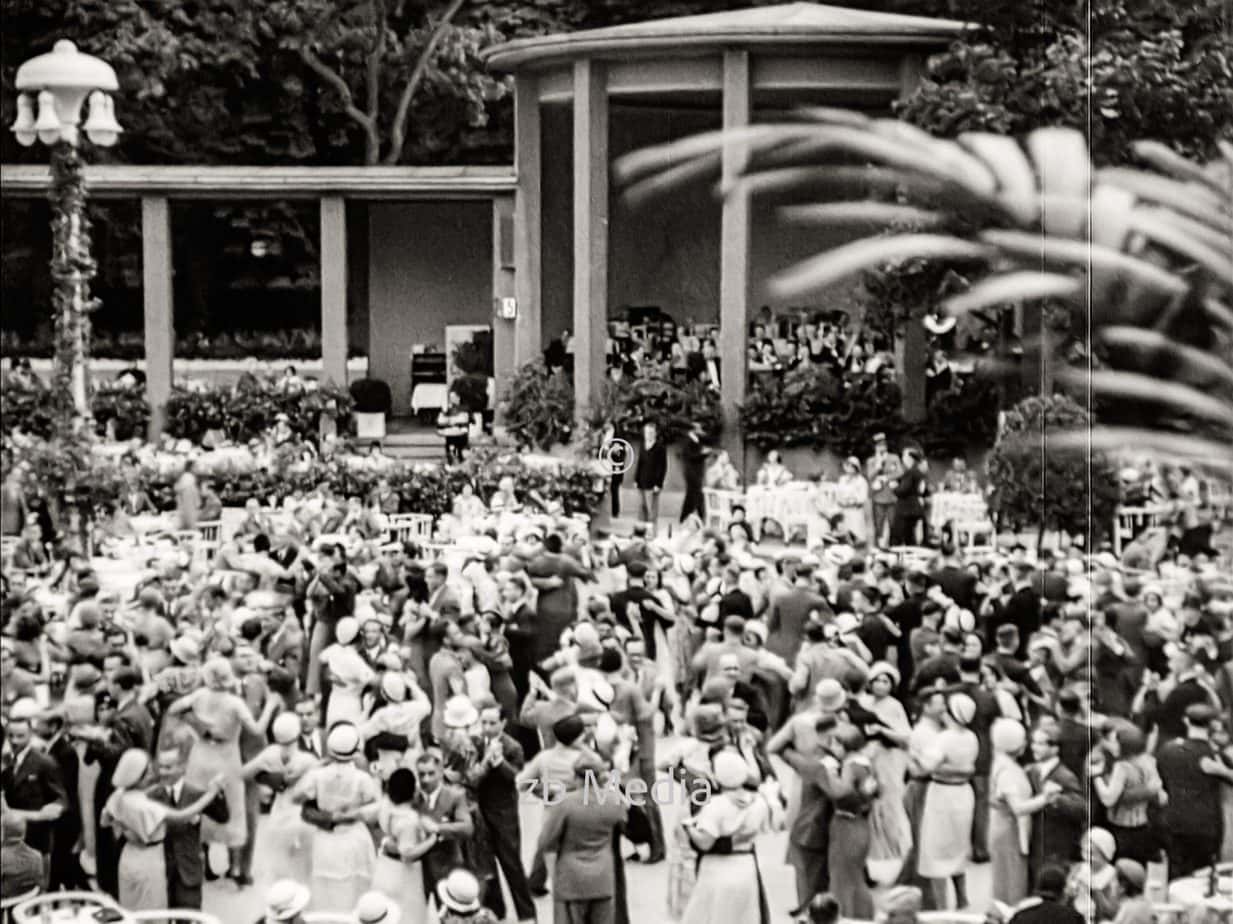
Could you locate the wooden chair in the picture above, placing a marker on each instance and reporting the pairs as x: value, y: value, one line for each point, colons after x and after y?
x: 1128, y: 522
x: 211, y: 531
x: 975, y: 535
x: 8, y: 548
x: 8, y: 904
x: 913, y: 557
x: 32, y: 910
x: 410, y: 526
x: 175, y: 916
x: 719, y: 506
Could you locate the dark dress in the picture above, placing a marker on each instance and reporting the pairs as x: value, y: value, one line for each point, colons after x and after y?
x: 652, y: 468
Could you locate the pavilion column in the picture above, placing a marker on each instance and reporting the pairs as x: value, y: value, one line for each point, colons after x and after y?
x: 334, y: 290
x: 159, y: 308
x: 734, y: 257
x: 504, y: 332
x: 528, y: 326
x: 590, y: 231
x: 914, y: 344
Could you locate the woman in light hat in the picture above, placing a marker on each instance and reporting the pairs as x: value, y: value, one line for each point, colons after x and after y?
x: 281, y: 766
x: 1092, y: 884
x: 950, y: 803
x: 1010, y: 826
x: 852, y: 497
x: 729, y: 885
x: 392, y: 733
x: 458, y: 896
x: 375, y: 908
x: 343, y: 855
x: 179, y: 678
x: 142, y: 823
x: 398, y: 874
x: 219, y: 715
x: 890, y: 829
x: 349, y: 674
x: 285, y: 902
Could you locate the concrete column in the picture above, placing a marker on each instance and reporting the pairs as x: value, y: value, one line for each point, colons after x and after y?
x: 159, y: 308
x: 334, y: 290
x: 734, y: 257
x: 504, y: 332
x: 528, y: 273
x: 590, y: 231
x: 915, y: 343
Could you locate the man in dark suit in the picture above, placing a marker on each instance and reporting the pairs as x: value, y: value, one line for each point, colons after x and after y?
x: 1023, y: 607
x: 32, y: 788
x: 650, y: 471
x: 580, y: 830
x: 909, y: 501
x: 491, y: 778
x: 809, y: 839
x: 66, y: 871
x: 693, y: 459
x: 1059, y: 806
x: 956, y: 581
x: 789, y: 611
x: 132, y: 723
x: 312, y: 738
x: 22, y: 867
x: 444, y: 810
x: 182, y: 844
x: 1048, y: 905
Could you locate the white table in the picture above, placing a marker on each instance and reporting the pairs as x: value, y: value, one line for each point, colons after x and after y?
x: 427, y: 395
x: 794, y: 504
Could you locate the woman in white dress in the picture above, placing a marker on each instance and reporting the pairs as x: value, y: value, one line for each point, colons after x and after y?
x: 950, y: 802
x: 142, y: 823
x: 285, y: 854
x: 343, y: 855
x: 398, y: 873
x: 218, y: 715
x: 890, y: 828
x: 729, y: 885
x: 852, y: 496
x: 349, y: 674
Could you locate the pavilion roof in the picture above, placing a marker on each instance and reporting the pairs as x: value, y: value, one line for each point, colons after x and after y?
x: 788, y: 24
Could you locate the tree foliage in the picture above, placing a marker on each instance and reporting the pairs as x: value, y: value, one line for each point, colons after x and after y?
x: 1052, y: 491
x: 1118, y: 70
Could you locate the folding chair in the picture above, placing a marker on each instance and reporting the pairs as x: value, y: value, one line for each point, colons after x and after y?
x: 55, y: 904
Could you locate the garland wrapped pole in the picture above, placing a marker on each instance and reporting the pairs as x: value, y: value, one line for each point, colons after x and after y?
x: 72, y: 269
x: 57, y: 85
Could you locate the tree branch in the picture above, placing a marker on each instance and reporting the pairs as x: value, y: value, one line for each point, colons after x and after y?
x: 334, y: 79
x: 398, y: 132
x: 380, y: 23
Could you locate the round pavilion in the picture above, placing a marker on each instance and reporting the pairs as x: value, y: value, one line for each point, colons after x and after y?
x: 583, y: 255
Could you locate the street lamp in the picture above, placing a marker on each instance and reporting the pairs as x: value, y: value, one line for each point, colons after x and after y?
x: 53, y: 89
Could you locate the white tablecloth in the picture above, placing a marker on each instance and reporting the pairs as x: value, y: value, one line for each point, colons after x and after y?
x: 794, y: 502
x: 428, y: 395
x: 958, y: 506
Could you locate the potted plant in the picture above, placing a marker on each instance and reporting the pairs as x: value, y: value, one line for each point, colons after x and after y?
x: 373, y: 402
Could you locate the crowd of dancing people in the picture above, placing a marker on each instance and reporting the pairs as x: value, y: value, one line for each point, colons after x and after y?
x: 382, y: 717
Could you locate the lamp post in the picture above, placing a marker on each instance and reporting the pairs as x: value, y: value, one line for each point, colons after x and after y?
x: 57, y: 85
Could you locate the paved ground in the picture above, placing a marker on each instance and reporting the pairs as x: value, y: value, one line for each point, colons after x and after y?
x: 647, y: 885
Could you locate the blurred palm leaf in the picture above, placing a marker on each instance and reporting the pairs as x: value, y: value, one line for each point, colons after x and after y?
x: 1142, y: 258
